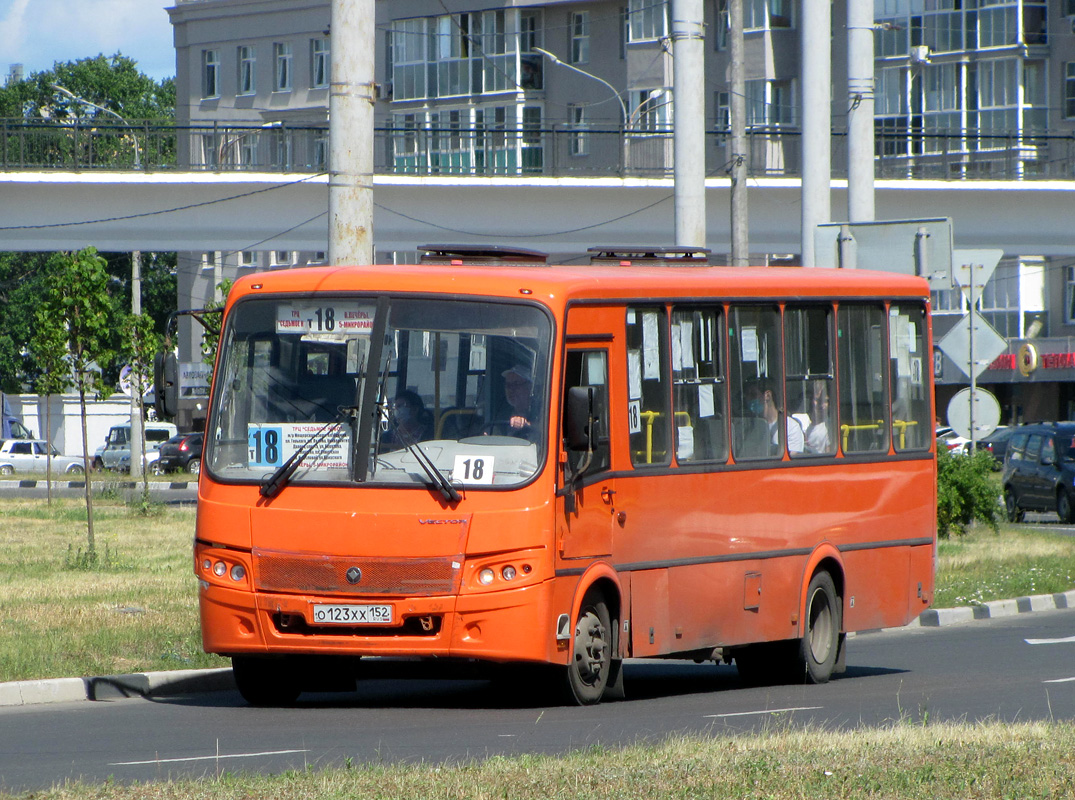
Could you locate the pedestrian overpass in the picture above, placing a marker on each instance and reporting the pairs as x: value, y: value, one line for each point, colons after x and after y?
x: 203, y: 211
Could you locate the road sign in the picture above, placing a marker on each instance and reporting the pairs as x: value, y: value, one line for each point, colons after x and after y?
x: 909, y: 246
x: 972, y: 269
x: 988, y: 344
x: 973, y: 414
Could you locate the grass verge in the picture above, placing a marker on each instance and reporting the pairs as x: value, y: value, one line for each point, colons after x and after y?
x: 903, y: 762
x: 135, y: 611
x: 1014, y: 562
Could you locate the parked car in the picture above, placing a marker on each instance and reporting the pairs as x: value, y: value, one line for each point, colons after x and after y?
x: 996, y: 444
x: 182, y: 452
x: 117, y: 452
x: 948, y: 438
x: 1039, y: 470
x: 31, y: 455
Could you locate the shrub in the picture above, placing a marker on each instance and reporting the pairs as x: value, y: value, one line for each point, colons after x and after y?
x: 965, y: 492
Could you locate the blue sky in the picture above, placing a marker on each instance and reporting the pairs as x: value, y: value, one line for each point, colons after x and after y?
x: 38, y: 33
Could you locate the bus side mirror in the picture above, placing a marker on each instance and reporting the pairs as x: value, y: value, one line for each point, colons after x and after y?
x: 579, y: 422
x: 165, y: 385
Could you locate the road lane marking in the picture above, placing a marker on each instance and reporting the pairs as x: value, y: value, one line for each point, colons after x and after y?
x: 204, y: 758
x: 1060, y: 680
x: 763, y: 711
x: 1065, y: 640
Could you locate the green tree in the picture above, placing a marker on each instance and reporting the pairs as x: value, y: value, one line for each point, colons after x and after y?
x: 141, y: 342
x: 49, y: 350
x: 78, y: 295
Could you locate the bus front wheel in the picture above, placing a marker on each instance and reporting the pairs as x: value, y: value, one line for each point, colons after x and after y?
x: 821, y: 638
x: 591, y: 653
x: 265, y: 681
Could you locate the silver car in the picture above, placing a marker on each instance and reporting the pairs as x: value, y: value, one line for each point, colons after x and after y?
x: 31, y: 455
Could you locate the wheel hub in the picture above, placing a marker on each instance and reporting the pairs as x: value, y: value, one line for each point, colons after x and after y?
x: 590, y: 647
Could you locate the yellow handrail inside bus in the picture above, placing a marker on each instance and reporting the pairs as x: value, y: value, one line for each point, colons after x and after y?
x: 903, y: 425
x: 845, y: 429
x: 648, y: 417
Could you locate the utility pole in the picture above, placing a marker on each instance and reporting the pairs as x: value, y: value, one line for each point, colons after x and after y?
x: 688, y: 110
x: 352, y: 96
x: 738, y: 155
x: 137, y: 417
x: 815, y: 49
x: 860, y: 104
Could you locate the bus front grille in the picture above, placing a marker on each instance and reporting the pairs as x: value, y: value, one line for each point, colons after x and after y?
x: 285, y: 572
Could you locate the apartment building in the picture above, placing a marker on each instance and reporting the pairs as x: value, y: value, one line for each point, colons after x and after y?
x: 965, y: 90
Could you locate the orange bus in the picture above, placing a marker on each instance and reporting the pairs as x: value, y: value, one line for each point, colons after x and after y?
x: 569, y: 466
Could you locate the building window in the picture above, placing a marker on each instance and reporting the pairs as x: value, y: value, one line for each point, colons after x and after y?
x: 280, y: 258
x: 248, y: 259
x: 647, y: 20
x: 282, y: 74
x: 580, y: 137
x: 580, y: 37
x: 770, y: 103
x: 247, y: 62
x: 1000, y: 300
x: 210, y: 73
x: 319, y: 63
x: 766, y: 14
x: 1069, y: 317
x: 1069, y: 89
x: 652, y: 110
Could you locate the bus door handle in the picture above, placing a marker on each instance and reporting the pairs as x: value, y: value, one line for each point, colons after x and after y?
x: 607, y: 494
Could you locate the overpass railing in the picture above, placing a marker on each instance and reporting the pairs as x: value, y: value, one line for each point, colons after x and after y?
x: 556, y: 151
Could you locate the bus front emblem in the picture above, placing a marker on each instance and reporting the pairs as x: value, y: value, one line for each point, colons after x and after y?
x: 354, y: 575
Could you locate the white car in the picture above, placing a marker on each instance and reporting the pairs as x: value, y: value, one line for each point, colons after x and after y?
x: 31, y: 455
x: 956, y: 444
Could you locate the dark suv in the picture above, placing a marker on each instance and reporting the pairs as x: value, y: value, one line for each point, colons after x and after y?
x: 183, y: 451
x: 1039, y: 470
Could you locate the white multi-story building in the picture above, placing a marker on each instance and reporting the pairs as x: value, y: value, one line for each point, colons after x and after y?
x: 965, y: 89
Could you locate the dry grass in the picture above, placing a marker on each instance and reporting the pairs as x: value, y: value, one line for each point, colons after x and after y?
x: 983, y: 566
x: 903, y: 762
x: 135, y: 611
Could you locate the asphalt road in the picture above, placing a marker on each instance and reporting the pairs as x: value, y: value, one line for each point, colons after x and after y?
x: 1015, y: 668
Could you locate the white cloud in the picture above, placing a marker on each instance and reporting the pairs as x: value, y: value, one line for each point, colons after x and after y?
x: 37, y: 33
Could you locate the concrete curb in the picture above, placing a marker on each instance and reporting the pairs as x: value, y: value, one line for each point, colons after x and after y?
x: 187, y: 681
x: 154, y: 486
x: 112, y: 687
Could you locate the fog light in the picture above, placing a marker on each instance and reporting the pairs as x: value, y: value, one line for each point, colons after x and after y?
x: 237, y: 572
x: 485, y: 577
x: 508, y: 572
x: 220, y: 569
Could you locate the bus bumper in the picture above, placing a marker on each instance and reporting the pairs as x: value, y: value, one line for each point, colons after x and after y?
x: 507, y: 625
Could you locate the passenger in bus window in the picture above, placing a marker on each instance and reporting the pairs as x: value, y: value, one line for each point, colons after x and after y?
x: 764, y: 405
x: 517, y: 390
x: 412, y: 421
x: 818, y: 435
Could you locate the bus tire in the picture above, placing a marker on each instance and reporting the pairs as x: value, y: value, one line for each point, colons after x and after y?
x: 265, y: 681
x: 590, y: 665
x: 820, y: 644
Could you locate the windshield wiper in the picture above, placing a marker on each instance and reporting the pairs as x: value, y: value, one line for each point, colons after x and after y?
x: 440, y: 482
x: 282, y: 476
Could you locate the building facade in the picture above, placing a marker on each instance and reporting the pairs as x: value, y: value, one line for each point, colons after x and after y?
x: 964, y: 90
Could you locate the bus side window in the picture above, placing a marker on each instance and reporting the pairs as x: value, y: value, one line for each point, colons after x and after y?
x: 647, y: 386
x: 863, y: 395
x: 757, y: 383
x: 810, y: 379
x: 698, y: 384
x: 590, y: 368
x: 910, y: 397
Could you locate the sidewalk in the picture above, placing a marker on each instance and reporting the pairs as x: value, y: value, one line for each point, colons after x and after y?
x: 188, y: 681
x: 98, y: 482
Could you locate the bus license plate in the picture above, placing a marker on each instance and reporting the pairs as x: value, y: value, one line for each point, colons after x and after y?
x: 352, y: 615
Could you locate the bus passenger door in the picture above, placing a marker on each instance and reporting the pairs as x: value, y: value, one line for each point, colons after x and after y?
x: 587, y: 506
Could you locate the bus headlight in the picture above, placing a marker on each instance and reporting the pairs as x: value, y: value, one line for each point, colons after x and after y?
x: 486, y: 576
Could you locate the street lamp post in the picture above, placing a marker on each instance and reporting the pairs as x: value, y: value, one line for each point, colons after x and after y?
x: 613, y: 89
x: 137, y: 437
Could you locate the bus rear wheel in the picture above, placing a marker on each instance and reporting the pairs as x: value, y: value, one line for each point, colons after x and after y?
x: 820, y: 644
x: 591, y: 652
x: 265, y: 681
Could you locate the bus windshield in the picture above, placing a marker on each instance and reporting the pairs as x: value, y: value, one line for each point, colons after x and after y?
x: 381, y: 391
